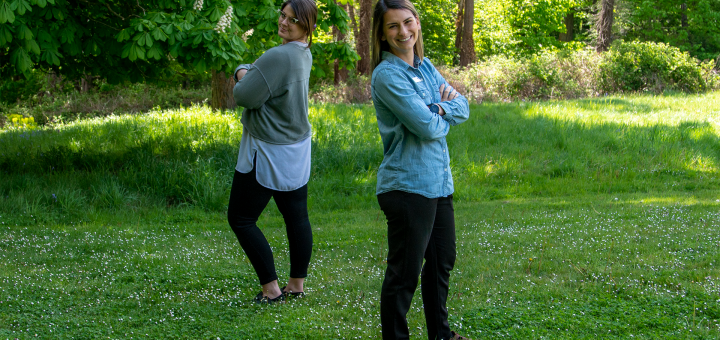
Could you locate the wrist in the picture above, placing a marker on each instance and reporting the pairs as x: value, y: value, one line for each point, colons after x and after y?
x: 437, y: 109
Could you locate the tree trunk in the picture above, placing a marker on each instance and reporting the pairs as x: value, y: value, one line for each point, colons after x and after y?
x: 604, y: 25
x: 351, y: 13
x: 340, y: 74
x: 683, y: 17
x: 222, y: 91
x: 85, y: 83
x: 458, y: 30
x: 467, y: 49
x: 363, y: 37
x: 569, y: 34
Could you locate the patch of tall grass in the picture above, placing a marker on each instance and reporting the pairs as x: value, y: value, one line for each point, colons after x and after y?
x: 186, y: 157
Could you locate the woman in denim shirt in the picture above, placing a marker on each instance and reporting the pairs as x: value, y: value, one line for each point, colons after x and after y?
x: 415, y: 109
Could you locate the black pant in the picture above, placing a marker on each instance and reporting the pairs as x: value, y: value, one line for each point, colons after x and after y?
x: 418, y: 227
x: 247, y: 201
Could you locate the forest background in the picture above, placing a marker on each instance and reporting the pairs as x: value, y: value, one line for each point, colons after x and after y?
x: 61, y: 59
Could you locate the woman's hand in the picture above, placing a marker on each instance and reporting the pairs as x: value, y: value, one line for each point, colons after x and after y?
x: 240, y: 73
x: 447, y: 93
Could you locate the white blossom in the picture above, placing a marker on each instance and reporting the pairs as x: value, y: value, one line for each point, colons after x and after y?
x: 198, y: 5
x: 225, y: 20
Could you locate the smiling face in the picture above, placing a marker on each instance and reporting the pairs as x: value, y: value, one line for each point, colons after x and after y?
x: 288, y: 29
x: 401, y: 30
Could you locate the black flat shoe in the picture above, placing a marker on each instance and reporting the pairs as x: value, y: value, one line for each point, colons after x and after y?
x: 292, y: 295
x: 264, y: 300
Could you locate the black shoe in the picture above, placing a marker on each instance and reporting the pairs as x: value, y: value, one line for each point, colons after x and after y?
x: 264, y: 300
x: 291, y: 294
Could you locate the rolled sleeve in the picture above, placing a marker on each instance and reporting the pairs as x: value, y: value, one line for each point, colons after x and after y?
x: 457, y: 110
x: 395, y: 91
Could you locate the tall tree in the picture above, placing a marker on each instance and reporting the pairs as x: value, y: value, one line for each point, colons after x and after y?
x: 340, y: 74
x: 351, y: 13
x: 459, y: 29
x: 604, y: 25
x: 467, y: 47
x: 569, y: 33
x: 363, y: 37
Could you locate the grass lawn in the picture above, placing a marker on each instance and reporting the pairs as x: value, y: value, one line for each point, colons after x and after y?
x: 594, y: 218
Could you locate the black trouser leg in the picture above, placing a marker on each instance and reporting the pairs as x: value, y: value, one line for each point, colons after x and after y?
x: 293, y: 207
x: 412, y: 220
x: 247, y: 201
x: 439, y: 261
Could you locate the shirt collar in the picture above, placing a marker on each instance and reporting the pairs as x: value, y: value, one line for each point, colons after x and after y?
x: 395, y: 60
x: 300, y: 43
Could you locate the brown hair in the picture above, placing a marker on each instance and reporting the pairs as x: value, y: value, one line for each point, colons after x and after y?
x: 306, y: 13
x: 377, y: 45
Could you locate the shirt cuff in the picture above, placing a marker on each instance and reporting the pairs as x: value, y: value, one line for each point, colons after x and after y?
x: 448, y: 116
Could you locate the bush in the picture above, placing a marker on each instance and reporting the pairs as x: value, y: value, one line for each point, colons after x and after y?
x: 355, y: 90
x: 548, y: 75
x: 653, y: 67
x: 12, y: 90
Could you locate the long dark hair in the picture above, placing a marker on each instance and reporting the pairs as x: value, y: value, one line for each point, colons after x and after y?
x: 306, y: 13
x: 377, y: 45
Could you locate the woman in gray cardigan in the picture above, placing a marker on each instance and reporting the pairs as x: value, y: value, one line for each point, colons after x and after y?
x: 274, y: 157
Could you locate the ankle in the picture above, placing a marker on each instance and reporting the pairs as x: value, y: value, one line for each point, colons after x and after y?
x: 295, y: 285
x: 271, y: 290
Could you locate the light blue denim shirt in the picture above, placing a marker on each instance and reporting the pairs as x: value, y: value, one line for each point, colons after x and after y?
x: 416, y: 157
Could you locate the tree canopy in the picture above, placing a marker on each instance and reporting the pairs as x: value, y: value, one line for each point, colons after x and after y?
x: 136, y: 40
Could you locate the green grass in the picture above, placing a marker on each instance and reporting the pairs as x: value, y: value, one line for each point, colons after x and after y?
x: 593, y: 218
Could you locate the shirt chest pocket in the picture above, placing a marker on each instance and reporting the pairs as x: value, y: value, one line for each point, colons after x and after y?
x: 423, y: 90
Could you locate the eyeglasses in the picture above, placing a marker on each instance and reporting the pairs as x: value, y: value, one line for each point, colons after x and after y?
x: 284, y: 16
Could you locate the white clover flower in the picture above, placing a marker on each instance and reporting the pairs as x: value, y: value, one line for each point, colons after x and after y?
x: 225, y: 20
x: 198, y: 5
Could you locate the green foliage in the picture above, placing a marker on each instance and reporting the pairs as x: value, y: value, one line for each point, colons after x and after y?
x: 523, y: 27
x: 493, y: 30
x: 647, y: 66
x: 119, y: 40
x: 662, y: 21
x: 547, y: 75
x: 324, y: 55
x: 627, y: 67
x: 438, y: 28
x: 21, y: 89
x: 536, y: 24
